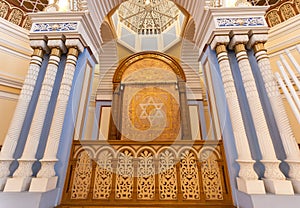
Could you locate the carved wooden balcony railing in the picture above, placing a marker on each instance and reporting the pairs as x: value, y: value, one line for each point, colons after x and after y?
x: 281, y: 11
x: 151, y: 174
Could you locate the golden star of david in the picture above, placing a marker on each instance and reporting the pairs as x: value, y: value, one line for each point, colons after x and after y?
x: 151, y: 110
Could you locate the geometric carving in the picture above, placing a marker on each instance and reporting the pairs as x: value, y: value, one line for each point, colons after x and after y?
x: 82, y: 176
x: 103, y: 176
x: 211, y: 177
x: 16, y: 16
x: 287, y: 11
x: 4, y: 7
x: 167, y: 176
x: 146, y: 178
x: 273, y: 18
x: 124, y: 175
x: 189, y: 176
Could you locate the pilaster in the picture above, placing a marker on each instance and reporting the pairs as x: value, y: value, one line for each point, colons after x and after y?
x: 273, y: 177
x: 46, y: 179
x: 247, y: 179
x: 22, y: 176
x: 12, y: 137
x: 287, y: 137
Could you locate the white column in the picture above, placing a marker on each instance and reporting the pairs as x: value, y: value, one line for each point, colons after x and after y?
x: 288, y: 139
x: 273, y: 177
x: 247, y: 179
x: 22, y: 176
x: 13, y: 134
x: 46, y: 179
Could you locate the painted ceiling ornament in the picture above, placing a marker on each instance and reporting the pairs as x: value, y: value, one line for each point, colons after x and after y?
x: 242, y: 3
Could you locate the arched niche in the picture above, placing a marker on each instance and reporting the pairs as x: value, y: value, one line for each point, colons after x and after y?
x: 149, y: 99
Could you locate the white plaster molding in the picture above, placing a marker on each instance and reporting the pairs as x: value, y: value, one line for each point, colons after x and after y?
x: 8, y: 50
x: 11, y: 81
x: 219, y: 40
x: 13, y: 30
x: 57, y: 43
x: 86, y: 30
x: 237, y: 39
x: 257, y: 38
x: 8, y: 96
x: 74, y: 43
x: 39, y: 44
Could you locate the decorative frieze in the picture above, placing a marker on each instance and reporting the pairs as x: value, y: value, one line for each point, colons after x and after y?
x: 240, y: 22
x: 55, y: 27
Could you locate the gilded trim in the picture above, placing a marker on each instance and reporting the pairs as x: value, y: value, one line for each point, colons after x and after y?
x: 73, y: 51
x: 220, y: 48
x: 38, y: 52
x: 124, y: 65
x: 239, y: 48
x: 259, y: 47
x: 55, y: 52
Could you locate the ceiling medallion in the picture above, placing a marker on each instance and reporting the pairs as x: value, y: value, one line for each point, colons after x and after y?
x: 148, y: 16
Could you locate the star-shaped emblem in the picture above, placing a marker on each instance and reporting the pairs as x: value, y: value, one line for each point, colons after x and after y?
x: 151, y: 110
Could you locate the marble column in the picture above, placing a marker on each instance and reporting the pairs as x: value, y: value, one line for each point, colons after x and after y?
x: 288, y: 139
x: 13, y: 134
x: 247, y: 179
x: 46, y: 179
x: 274, y: 180
x: 22, y: 176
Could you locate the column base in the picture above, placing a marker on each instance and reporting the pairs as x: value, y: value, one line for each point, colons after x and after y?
x: 43, y: 184
x: 283, y: 187
x: 250, y: 186
x: 17, y: 184
x: 2, y: 183
x: 296, y: 185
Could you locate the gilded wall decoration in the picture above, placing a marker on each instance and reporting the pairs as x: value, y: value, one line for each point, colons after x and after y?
x: 82, y: 176
x: 287, y: 11
x: 14, y: 14
x: 273, y: 18
x: 150, y: 113
x: 103, y: 176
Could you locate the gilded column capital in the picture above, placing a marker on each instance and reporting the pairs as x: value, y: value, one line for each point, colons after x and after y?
x: 237, y: 40
x: 58, y: 44
x: 74, y: 43
x: 39, y: 44
x: 257, y: 38
x: 220, y: 40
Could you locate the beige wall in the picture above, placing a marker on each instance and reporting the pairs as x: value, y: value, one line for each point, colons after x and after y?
x: 14, y: 58
x: 7, y: 108
x: 281, y: 37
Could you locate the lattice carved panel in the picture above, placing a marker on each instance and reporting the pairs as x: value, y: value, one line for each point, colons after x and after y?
x: 82, y: 176
x: 103, y: 176
x: 124, y: 176
x: 189, y: 176
x: 167, y: 176
x: 146, y: 177
x: 124, y: 173
x: 211, y: 176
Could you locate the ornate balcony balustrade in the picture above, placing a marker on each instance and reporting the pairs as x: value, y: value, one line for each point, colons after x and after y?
x: 159, y: 174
